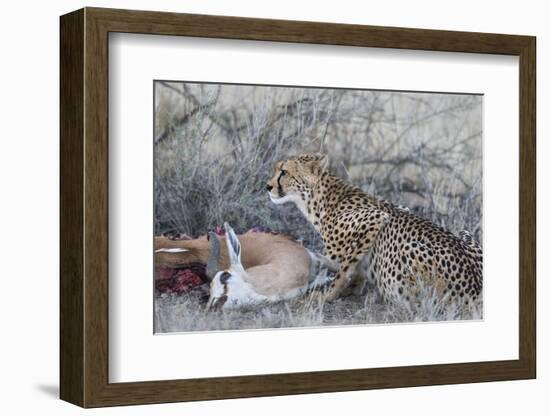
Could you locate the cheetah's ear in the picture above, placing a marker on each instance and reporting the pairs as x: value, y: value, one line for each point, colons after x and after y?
x: 319, y: 162
x: 322, y: 161
x: 314, y: 162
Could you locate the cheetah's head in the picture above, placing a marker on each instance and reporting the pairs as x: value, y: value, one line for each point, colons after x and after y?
x: 295, y: 177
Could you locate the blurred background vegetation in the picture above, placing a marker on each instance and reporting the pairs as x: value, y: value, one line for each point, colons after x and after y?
x: 215, y: 147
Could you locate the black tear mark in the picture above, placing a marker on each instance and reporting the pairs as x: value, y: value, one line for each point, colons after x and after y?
x: 279, y: 187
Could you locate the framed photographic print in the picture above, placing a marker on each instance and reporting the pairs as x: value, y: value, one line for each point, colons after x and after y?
x: 255, y: 207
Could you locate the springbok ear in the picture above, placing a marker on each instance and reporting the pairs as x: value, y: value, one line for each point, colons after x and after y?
x: 214, y: 257
x: 233, y: 245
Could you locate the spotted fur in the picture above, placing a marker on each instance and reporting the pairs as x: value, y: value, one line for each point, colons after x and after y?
x: 402, y: 250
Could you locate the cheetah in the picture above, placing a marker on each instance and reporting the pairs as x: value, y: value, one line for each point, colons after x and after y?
x: 401, y: 249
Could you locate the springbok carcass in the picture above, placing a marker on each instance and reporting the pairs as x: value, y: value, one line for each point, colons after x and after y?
x: 250, y: 269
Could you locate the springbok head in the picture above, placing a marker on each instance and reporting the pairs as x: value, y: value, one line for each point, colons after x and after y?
x: 229, y: 288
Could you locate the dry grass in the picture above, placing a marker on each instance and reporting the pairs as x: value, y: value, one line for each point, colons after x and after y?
x: 187, y: 313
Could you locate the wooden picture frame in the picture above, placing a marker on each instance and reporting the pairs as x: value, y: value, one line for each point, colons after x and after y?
x: 84, y: 207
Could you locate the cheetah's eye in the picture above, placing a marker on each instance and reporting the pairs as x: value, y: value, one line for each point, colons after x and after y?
x: 283, y: 172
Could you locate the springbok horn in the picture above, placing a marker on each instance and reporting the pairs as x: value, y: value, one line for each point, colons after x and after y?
x: 212, y: 262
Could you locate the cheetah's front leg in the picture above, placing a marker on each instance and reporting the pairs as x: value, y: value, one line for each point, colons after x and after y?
x: 345, y: 274
x: 358, y: 243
